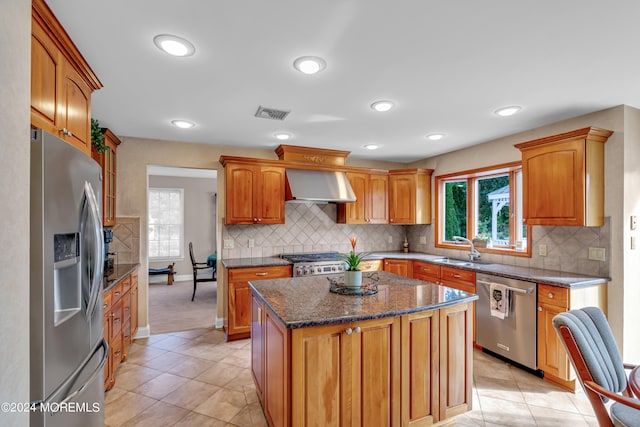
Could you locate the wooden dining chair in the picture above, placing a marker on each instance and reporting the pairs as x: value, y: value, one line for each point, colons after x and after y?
x: 587, y: 337
x: 197, y: 266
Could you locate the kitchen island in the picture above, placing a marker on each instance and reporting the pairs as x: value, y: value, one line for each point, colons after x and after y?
x: 400, y: 357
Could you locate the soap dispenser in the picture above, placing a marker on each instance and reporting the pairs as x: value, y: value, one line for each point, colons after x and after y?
x: 405, y: 245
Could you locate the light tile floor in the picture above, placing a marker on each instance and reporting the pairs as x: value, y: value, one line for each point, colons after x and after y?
x: 194, y: 378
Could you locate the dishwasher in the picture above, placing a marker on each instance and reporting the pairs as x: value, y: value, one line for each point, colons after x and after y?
x: 515, y: 336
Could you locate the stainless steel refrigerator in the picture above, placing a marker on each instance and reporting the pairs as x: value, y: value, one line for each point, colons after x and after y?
x: 67, y: 348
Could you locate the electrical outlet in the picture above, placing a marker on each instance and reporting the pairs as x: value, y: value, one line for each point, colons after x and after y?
x: 390, y: 239
x: 542, y: 250
x: 633, y: 242
x: 423, y: 240
x: 634, y: 222
x: 597, y: 254
x: 252, y: 243
x: 228, y: 244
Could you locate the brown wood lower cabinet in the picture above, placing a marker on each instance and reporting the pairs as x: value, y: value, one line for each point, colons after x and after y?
x: 411, y: 370
x: 552, y: 300
x: 238, y: 323
x: 120, y: 305
x: 402, y: 267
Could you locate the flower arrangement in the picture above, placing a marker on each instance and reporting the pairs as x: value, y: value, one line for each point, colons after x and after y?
x: 353, y: 258
x: 482, y: 240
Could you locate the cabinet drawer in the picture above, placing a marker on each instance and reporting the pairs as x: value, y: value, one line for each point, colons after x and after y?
x: 553, y: 295
x: 116, y: 320
x: 426, y: 269
x: 259, y: 273
x: 116, y: 293
x: 458, y: 275
x: 126, y: 284
x: 106, y: 304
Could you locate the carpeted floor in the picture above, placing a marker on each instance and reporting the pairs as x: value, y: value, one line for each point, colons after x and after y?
x: 171, y: 309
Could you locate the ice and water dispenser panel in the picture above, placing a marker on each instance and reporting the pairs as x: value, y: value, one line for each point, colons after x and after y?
x: 66, y: 276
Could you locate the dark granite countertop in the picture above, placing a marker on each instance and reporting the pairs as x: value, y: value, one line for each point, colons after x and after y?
x: 119, y: 272
x: 254, y: 262
x: 538, y: 275
x: 307, y: 301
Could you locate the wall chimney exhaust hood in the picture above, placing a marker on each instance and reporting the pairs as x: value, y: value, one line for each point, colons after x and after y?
x: 318, y: 186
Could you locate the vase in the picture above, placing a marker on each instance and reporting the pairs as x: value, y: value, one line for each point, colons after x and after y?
x: 353, y: 279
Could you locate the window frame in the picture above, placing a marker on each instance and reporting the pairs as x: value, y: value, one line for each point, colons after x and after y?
x: 471, y: 177
x: 181, y: 256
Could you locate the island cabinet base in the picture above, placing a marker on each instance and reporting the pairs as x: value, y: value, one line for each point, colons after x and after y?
x: 411, y: 370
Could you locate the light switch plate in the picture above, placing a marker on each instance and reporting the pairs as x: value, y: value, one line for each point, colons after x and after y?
x: 597, y: 254
x: 633, y: 242
x: 634, y: 222
x: 423, y: 240
x: 228, y: 243
x: 390, y: 239
x: 542, y: 250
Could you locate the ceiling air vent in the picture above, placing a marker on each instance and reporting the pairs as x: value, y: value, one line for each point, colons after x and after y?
x: 271, y: 113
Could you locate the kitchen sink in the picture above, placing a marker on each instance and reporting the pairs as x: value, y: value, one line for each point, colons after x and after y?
x: 462, y: 262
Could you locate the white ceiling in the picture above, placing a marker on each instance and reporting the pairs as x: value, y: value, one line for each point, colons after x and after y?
x: 446, y: 64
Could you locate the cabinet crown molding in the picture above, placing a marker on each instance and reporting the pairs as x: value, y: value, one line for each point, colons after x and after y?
x: 589, y: 133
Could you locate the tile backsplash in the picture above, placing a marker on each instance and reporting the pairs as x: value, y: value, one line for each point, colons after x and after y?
x: 313, y: 228
x: 567, y: 248
x: 309, y: 228
x: 126, y: 240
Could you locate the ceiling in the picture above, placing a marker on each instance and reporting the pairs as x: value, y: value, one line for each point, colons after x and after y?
x: 447, y: 65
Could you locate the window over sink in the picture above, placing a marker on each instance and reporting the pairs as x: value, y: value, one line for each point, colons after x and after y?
x: 484, y: 205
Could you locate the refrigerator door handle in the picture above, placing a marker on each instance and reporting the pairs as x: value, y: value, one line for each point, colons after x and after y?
x: 97, y: 251
x: 102, y: 345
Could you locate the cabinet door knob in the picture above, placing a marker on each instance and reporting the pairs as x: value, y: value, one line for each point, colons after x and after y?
x: 255, y: 219
x: 259, y: 219
x: 539, y: 308
x: 550, y: 295
x: 357, y: 329
x: 348, y: 331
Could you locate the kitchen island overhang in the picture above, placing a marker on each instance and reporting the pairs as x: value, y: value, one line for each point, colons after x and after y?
x: 399, y: 357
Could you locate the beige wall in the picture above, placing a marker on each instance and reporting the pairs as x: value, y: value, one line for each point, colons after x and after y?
x: 631, y: 258
x: 134, y: 154
x: 15, y: 58
x: 199, y: 219
x: 621, y: 198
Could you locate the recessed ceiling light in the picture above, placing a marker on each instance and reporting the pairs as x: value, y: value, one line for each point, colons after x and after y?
x: 382, y: 106
x: 309, y: 64
x: 435, y: 136
x: 371, y: 146
x: 184, y: 124
x: 282, y: 136
x: 508, y: 111
x: 174, y: 45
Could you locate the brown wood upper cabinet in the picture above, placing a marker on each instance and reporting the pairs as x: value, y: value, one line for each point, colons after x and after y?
x: 254, y: 193
x: 372, y: 200
x: 563, y: 178
x: 61, y: 81
x: 107, y: 162
x: 410, y: 196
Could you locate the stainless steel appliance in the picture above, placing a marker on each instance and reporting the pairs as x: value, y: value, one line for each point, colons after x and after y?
x: 513, y: 337
x: 68, y: 351
x: 309, y: 264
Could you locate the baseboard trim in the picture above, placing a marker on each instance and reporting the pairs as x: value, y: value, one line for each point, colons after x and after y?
x: 161, y: 278
x: 143, y: 332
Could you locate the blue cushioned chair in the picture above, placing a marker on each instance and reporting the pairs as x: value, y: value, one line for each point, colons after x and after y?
x: 587, y: 337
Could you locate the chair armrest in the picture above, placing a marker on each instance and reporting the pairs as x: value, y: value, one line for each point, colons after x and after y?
x: 205, y: 267
x: 629, y: 366
x: 627, y: 401
x: 634, y: 381
x: 202, y: 263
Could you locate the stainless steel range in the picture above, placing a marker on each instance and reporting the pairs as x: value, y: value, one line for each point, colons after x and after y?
x: 309, y: 264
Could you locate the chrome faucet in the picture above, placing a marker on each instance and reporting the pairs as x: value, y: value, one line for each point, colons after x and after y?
x: 474, y: 254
